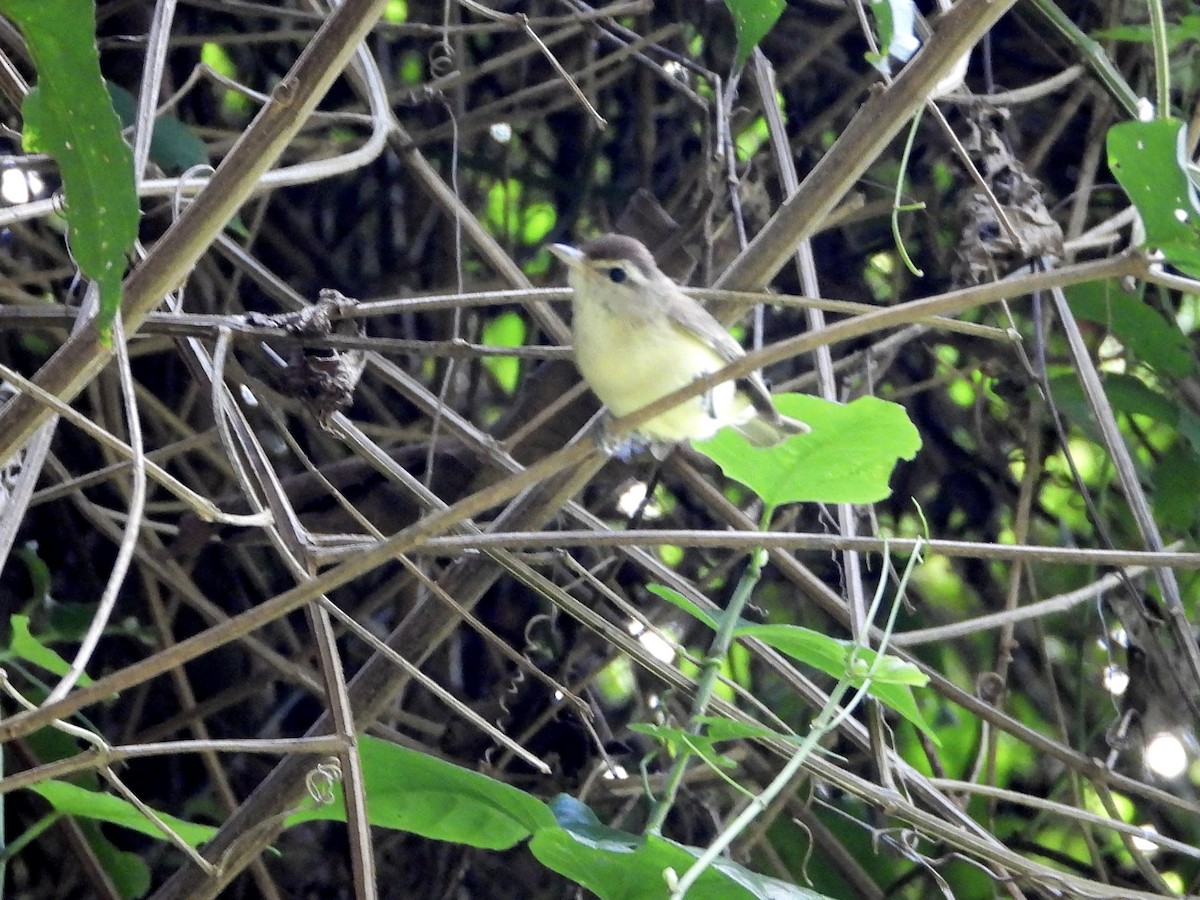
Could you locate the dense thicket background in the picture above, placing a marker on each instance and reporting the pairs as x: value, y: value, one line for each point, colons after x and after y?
x: 493, y: 156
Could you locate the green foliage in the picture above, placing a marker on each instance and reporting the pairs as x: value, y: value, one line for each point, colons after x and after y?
x: 25, y: 645
x: 895, y: 28
x: 396, y: 12
x: 69, y: 116
x: 71, y: 800
x: 218, y: 59
x: 616, y: 865
x: 891, y: 677
x: 752, y: 19
x: 1150, y: 160
x: 413, y: 792
x: 701, y: 744
x: 750, y: 139
x: 848, y: 457
x: 1187, y: 28
x: 505, y: 330
x: 129, y: 873
x: 1140, y: 329
x: 174, y: 147
x: 511, y: 217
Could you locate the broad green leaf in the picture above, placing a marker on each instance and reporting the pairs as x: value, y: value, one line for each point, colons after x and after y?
x: 29, y: 648
x: 505, y: 330
x: 417, y: 793
x: 1150, y: 160
x: 1143, y: 330
x: 69, y: 116
x: 891, y: 682
x: 72, y: 800
x: 848, y: 457
x: 752, y: 19
x: 616, y: 865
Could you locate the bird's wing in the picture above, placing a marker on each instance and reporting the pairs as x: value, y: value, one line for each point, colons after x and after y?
x: 695, y: 319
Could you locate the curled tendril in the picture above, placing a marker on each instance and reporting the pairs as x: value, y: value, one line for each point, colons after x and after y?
x: 321, y: 779
x: 441, y: 59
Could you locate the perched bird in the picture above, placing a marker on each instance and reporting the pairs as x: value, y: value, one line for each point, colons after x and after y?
x: 638, y: 337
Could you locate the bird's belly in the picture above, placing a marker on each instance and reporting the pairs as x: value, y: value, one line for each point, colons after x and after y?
x: 631, y: 364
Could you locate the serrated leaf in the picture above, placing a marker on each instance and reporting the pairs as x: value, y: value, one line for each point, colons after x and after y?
x: 1150, y: 160
x: 848, y: 457
x: 70, y: 116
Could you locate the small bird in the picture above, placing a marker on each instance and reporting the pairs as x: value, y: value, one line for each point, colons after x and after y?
x: 639, y: 337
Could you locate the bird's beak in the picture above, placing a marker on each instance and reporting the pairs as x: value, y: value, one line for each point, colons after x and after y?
x: 572, y: 256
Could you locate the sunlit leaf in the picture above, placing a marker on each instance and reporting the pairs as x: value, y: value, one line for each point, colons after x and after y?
x: 1150, y: 160
x: 752, y: 19
x: 72, y: 800
x: 505, y: 330
x: 70, y: 116
x: 848, y: 457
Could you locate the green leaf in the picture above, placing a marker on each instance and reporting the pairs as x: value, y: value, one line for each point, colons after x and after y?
x: 895, y: 24
x: 26, y: 646
x: 892, y: 678
x: 129, y: 873
x: 505, y: 330
x: 173, y: 146
x: 847, y: 458
x: 1175, y: 478
x: 752, y: 19
x: 39, y: 572
x: 678, y: 600
x: 69, y: 116
x: 677, y: 740
x: 1152, y: 338
x: 420, y: 794
x: 616, y: 865
x: 540, y: 219
x: 1186, y: 29
x: 1150, y: 160
x: 1127, y: 393
x: 72, y: 800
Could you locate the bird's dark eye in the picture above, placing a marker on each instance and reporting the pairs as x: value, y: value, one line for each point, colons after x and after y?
x: 616, y: 274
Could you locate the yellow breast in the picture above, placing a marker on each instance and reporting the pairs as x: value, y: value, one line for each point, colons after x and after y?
x: 630, y: 361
